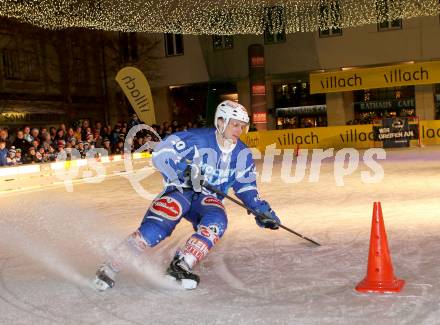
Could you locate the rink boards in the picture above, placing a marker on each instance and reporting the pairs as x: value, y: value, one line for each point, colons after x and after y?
x: 93, y: 171
x: 349, y: 136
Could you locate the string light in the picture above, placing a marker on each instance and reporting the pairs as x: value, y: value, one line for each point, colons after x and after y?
x: 213, y: 16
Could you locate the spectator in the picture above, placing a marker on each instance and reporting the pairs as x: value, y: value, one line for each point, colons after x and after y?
x: 43, y: 133
x: 168, y: 131
x: 78, y: 133
x: 106, y: 132
x: 80, y: 148
x: 62, y: 155
x: 44, y: 155
x: 35, y: 133
x: 46, y: 141
x: 51, y: 153
x: 63, y: 127
x: 98, y: 127
x: 3, y: 153
x: 119, y: 149
x: 4, y: 134
x: 35, y: 142
x: 39, y: 156
x: 60, y: 135
x: 87, y: 147
x: 20, y: 142
x: 106, y: 146
x: 18, y: 158
x: 115, y: 134
x: 97, y: 140
x: 89, y: 138
x: 70, y: 134
x: 69, y: 151
x: 10, y: 160
x: 84, y: 127
x: 148, y: 140
x: 72, y: 142
x: 53, y: 133
x: 138, y: 142
x: 133, y: 121
x: 31, y: 157
x: 27, y: 133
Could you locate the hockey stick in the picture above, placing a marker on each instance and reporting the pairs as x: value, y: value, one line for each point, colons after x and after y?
x: 213, y: 189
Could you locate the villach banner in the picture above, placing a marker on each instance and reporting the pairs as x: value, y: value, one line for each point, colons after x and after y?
x: 381, y: 77
x: 350, y: 136
x: 136, y: 88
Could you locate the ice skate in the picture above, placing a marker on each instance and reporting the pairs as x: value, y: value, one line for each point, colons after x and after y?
x: 180, y: 271
x: 105, y: 278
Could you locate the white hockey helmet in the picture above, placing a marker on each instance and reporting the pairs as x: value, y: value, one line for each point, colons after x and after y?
x: 228, y: 110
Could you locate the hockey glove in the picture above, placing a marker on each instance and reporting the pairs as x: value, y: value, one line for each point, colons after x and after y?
x: 267, y: 217
x: 195, y: 177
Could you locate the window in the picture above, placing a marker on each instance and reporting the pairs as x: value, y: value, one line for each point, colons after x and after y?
x: 20, y: 65
x: 296, y: 94
x: 383, y: 16
x: 173, y: 44
x: 128, y: 47
x: 274, y: 22
x: 134, y: 56
x: 437, y: 101
x: 30, y: 66
x: 11, y: 64
x: 79, y: 73
x: 370, y: 104
x: 222, y: 42
x: 330, y: 19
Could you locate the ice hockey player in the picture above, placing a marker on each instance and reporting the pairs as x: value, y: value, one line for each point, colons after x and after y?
x: 187, y: 160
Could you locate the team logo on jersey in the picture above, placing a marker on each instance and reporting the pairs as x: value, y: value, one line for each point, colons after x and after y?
x: 167, y: 207
x: 212, y: 201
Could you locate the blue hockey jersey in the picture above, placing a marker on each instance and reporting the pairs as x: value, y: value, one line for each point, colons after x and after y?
x: 222, y: 170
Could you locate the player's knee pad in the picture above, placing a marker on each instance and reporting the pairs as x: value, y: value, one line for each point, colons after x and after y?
x: 153, y: 233
x: 211, y: 232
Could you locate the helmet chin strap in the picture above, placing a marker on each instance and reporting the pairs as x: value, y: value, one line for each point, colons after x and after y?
x: 226, y: 145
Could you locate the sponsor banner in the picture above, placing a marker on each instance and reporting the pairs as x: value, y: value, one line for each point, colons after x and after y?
x: 396, y: 132
x: 136, y: 88
x: 353, y: 136
x: 349, y: 136
x: 380, y: 77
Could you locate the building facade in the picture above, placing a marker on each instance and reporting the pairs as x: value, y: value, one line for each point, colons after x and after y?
x: 289, y: 60
x: 50, y: 76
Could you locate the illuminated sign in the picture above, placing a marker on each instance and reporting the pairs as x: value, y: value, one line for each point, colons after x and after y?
x: 259, y: 117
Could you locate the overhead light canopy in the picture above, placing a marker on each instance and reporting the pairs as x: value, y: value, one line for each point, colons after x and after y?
x: 221, y: 17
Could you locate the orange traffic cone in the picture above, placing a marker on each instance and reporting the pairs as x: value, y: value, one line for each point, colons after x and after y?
x: 380, y: 275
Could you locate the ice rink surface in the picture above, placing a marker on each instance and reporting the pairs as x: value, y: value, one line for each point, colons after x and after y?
x: 51, y: 242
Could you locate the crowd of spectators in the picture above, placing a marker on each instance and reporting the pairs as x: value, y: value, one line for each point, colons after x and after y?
x: 29, y: 145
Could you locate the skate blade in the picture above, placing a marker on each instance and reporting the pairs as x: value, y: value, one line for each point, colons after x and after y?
x: 100, y: 285
x: 186, y: 284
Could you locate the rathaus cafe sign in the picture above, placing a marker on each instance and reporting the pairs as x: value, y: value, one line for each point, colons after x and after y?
x: 380, y: 77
